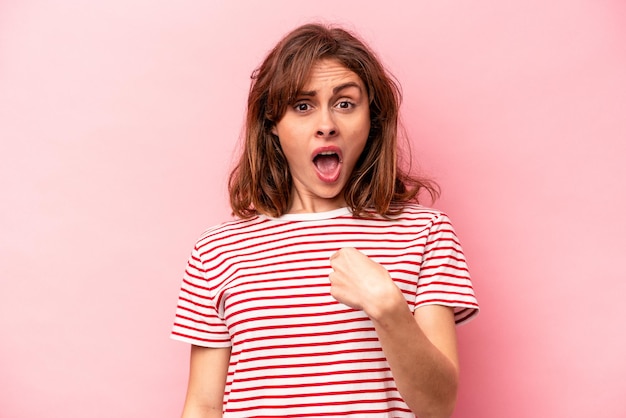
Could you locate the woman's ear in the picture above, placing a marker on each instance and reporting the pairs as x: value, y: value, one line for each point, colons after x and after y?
x: 274, y: 131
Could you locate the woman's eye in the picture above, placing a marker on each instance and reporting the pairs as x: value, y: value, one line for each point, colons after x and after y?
x: 301, y: 107
x: 344, y: 105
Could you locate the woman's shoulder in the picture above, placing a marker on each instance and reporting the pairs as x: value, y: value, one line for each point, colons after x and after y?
x: 227, y: 229
x: 416, y: 211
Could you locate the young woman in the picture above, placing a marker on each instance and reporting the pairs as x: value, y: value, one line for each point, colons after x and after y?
x: 333, y: 293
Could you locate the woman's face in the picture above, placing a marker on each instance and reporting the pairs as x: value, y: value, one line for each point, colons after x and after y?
x: 323, y: 134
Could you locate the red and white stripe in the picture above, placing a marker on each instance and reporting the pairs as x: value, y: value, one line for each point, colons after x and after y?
x: 261, y: 286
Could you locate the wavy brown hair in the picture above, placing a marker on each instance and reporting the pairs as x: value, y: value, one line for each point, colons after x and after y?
x: 261, y: 181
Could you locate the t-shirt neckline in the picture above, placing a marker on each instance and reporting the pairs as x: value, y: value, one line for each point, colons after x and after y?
x: 312, y: 216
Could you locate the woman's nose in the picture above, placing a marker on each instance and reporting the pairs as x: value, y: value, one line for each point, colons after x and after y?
x: 326, y: 125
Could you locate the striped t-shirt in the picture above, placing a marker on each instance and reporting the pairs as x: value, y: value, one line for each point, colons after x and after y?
x: 261, y: 286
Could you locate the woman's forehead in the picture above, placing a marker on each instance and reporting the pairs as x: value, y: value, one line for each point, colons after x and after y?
x: 330, y: 73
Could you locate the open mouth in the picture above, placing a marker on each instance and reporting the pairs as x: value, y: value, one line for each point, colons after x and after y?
x: 327, y: 162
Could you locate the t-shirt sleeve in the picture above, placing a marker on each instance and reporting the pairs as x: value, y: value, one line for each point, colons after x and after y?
x: 197, y: 319
x: 444, y: 278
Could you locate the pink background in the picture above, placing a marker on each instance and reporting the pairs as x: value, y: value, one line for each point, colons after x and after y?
x: 118, y: 121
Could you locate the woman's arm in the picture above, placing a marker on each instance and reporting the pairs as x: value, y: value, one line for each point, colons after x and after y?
x: 421, y: 351
x: 208, y: 368
x: 420, y: 348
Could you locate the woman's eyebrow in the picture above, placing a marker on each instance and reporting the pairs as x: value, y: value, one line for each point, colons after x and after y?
x: 345, y: 86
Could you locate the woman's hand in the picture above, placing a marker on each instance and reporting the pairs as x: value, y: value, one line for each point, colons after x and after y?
x: 361, y: 283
